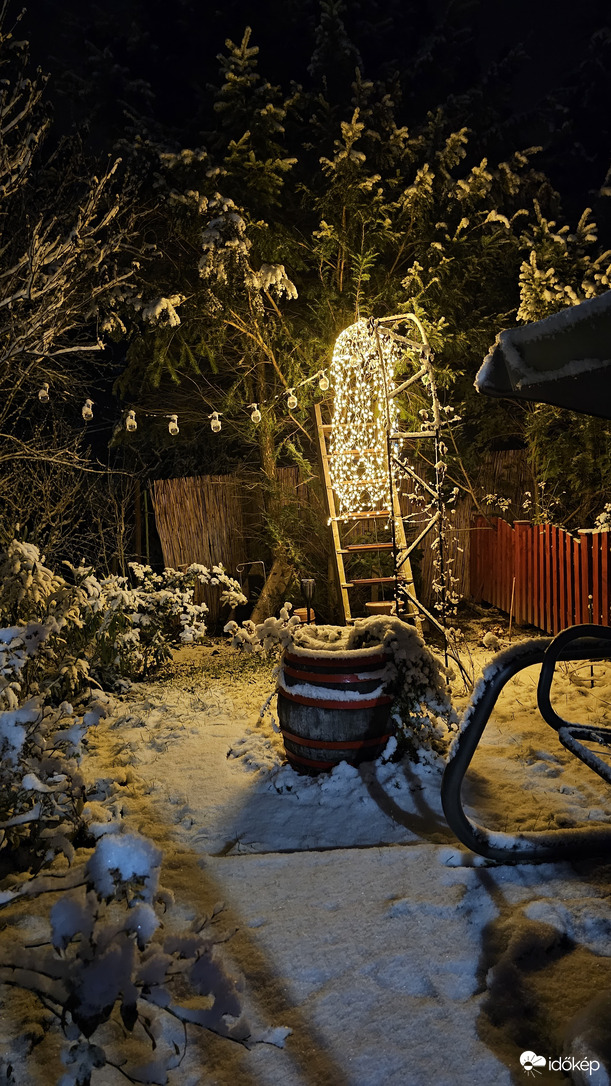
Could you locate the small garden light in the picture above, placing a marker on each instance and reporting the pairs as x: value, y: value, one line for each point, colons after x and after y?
x: 215, y: 424
x: 43, y: 394
x: 256, y: 414
x: 292, y: 399
x: 173, y: 425
x: 130, y: 422
x: 323, y: 384
x: 87, y: 410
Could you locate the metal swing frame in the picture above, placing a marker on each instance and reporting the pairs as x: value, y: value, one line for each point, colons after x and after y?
x: 584, y: 642
x: 562, y: 360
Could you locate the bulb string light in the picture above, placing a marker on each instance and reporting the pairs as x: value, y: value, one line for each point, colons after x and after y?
x: 362, y: 374
x: 131, y: 425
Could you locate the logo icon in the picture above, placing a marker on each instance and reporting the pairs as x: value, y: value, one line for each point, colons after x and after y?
x: 532, y: 1063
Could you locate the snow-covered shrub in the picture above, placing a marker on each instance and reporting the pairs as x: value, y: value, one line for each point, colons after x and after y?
x: 42, y: 791
x: 414, y: 676
x: 141, y: 621
x: 105, y: 960
x: 59, y: 638
x: 267, y: 636
x: 45, y: 625
x: 108, y: 961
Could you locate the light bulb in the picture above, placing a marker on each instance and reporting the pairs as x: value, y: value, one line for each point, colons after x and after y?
x: 215, y: 425
x: 130, y: 422
x: 292, y: 400
x: 173, y: 425
x: 86, y: 410
x: 323, y: 384
x: 43, y: 394
x: 256, y: 414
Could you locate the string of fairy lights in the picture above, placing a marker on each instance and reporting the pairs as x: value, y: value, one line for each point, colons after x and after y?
x: 362, y: 374
x: 130, y: 421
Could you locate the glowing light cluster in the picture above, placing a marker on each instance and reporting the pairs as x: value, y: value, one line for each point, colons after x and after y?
x: 357, y: 446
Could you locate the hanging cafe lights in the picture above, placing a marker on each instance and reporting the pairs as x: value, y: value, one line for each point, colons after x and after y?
x: 362, y: 373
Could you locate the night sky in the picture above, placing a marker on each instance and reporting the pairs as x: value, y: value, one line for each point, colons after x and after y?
x: 545, y: 67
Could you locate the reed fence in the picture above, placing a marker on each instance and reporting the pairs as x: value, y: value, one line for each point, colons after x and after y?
x: 541, y: 574
x: 213, y: 519
x: 201, y: 520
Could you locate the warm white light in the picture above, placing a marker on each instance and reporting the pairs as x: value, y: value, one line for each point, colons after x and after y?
x: 43, y: 394
x: 323, y: 384
x: 292, y: 399
x: 215, y: 425
x: 358, y: 453
x: 130, y: 422
x: 173, y: 425
x: 87, y: 410
x: 256, y: 414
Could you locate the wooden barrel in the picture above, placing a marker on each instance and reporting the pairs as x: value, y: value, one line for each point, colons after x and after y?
x: 332, y: 707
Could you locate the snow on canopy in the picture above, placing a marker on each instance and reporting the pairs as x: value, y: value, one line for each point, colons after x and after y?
x: 563, y: 360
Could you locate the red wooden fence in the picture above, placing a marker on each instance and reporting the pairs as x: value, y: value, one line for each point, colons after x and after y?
x: 541, y: 574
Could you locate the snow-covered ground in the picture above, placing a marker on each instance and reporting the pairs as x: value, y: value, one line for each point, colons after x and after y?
x: 374, y: 949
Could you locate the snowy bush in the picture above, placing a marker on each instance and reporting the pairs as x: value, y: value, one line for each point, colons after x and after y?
x: 105, y: 960
x: 108, y: 963
x: 42, y: 791
x: 59, y: 641
x: 57, y: 631
x: 141, y: 622
x: 267, y: 636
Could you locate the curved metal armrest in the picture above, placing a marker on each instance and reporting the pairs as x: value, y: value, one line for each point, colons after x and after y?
x: 586, y: 645
x: 532, y: 847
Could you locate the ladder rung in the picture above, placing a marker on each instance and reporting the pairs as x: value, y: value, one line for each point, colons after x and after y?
x: 326, y: 428
x: 355, y: 452
x: 417, y: 433
x: 373, y: 580
x: 363, y: 516
x: 366, y: 547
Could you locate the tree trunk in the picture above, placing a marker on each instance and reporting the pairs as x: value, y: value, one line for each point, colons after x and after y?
x: 279, y: 578
x: 274, y: 589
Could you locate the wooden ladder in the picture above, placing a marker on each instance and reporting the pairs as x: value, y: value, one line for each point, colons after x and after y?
x: 403, y: 570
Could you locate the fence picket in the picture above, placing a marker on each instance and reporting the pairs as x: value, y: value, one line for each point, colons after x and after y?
x: 563, y: 571
x: 520, y: 570
x: 570, y: 580
x: 540, y: 605
x: 596, y: 600
x: 605, y: 578
x: 556, y: 579
x: 585, y: 558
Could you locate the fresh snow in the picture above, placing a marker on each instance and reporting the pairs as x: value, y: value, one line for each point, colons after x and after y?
x: 374, y: 949
x: 570, y: 343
